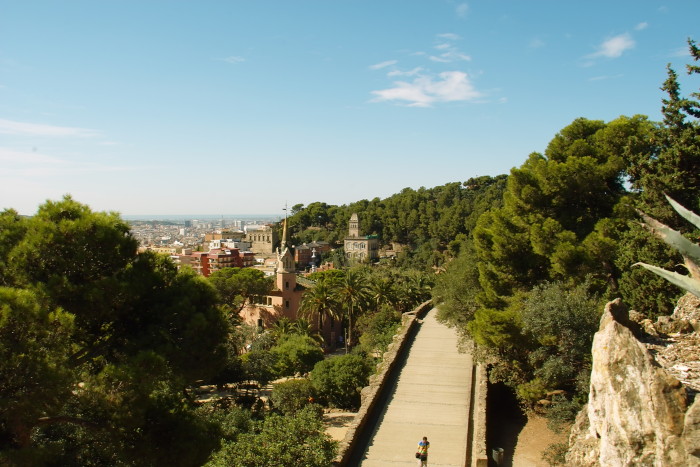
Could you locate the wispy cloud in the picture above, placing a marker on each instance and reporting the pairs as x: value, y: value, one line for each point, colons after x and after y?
x: 33, y: 163
x: 604, y: 77
x: 614, y: 47
x: 449, y: 36
x: 381, y: 65
x: 9, y: 127
x: 233, y: 59
x: 641, y: 26
x: 448, y: 51
x: 536, y: 43
x: 412, y: 72
x: 424, y: 91
x: 462, y: 10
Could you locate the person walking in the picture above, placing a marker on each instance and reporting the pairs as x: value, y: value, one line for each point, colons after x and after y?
x: 422, y: 453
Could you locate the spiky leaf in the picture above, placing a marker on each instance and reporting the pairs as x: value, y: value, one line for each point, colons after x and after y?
x: 690, y: 216
x: 689, y: 250
x: 684, y: 282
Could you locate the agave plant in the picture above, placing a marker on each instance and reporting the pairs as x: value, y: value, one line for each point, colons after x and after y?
x: 689, y: 250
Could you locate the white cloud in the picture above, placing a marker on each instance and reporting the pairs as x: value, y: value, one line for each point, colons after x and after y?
x: 448, y: 86
x: 614, y: 47
x: 450, y: 56
x: 641, y: 26
x: 381, y: 65
x: 233, y: 59
x: 10, y: 127
x: 412, y: 72
x: 462, y: 10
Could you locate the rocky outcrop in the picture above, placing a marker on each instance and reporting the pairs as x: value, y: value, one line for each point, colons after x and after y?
x: 638, y: 413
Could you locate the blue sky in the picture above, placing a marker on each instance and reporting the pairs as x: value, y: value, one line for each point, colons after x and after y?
x: 238, y: 107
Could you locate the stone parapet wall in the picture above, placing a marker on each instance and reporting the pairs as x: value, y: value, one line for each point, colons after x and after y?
x: 477, y: 443
x: 371, y: 394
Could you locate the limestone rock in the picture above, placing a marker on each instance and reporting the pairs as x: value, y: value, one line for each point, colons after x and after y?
x: 636, y: 413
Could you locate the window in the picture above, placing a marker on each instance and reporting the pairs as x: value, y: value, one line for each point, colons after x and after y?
x: 286, y: 304
x: 286, y: 285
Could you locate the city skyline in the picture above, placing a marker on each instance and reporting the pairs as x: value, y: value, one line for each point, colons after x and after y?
x: 214, y: 107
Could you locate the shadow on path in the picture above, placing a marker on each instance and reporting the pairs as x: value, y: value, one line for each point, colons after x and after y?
x: 504, y: 423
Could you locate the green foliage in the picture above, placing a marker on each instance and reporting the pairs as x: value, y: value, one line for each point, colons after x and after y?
x: 555, y: 454
x: 562, y: 413
x: 457, y: 288
x: 260, y: 366
x: 98, y: 343
x: 291, y: 396
x: 296, y: 354
x: 34, y: 373
x: 339, y: 380
x: 670, y: 166
x: 563, y: 323
x: 290, y: 440
x: 427, y: 220
x: 532, y: 391
x: 378, y: 329
x: 236, y: 286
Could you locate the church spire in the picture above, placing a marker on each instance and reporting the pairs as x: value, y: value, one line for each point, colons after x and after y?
x: 284, y: 230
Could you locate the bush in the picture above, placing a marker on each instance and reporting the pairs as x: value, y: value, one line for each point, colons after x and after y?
x: 293, y: 395
x: 555, y: 454
x: 339, y: 380
x: 297, y: 354
x: 378, y: 329
x: 280, y: 440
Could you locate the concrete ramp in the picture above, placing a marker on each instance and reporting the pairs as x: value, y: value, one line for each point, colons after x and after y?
x: 430, y: 398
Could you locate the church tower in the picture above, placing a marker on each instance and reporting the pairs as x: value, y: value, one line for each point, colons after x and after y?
x: 354, y: 227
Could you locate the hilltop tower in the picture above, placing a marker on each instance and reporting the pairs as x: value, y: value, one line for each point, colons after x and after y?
x: 360, y: 248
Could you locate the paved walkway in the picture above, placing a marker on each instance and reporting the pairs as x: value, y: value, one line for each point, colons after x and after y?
x: 431, y: 398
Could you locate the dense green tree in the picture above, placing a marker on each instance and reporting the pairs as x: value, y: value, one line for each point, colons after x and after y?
x: 296, y: 354
x: 297, y: 439
x: 260, y: 366
x: 236, y: 286
x: 35, y: 375
x: 339, y: 380
x: 115, y: 337
x: 671, y: 166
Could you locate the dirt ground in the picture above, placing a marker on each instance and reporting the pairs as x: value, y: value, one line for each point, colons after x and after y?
x: 533, y: 439
x: 337, y: 423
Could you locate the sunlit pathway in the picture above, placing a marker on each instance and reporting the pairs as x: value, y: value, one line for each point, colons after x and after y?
x: 431, y: 398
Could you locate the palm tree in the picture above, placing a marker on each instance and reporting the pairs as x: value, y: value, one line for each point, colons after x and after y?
x: 381, y: 291
x: 319, y: 301
x: 303, y: 327
x: 354, y: 293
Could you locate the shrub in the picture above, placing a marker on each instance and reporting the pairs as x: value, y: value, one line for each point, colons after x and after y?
x: 378, y: 329
x: 297, y: 354
x: 293, y: 395
x: 339, y: 380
